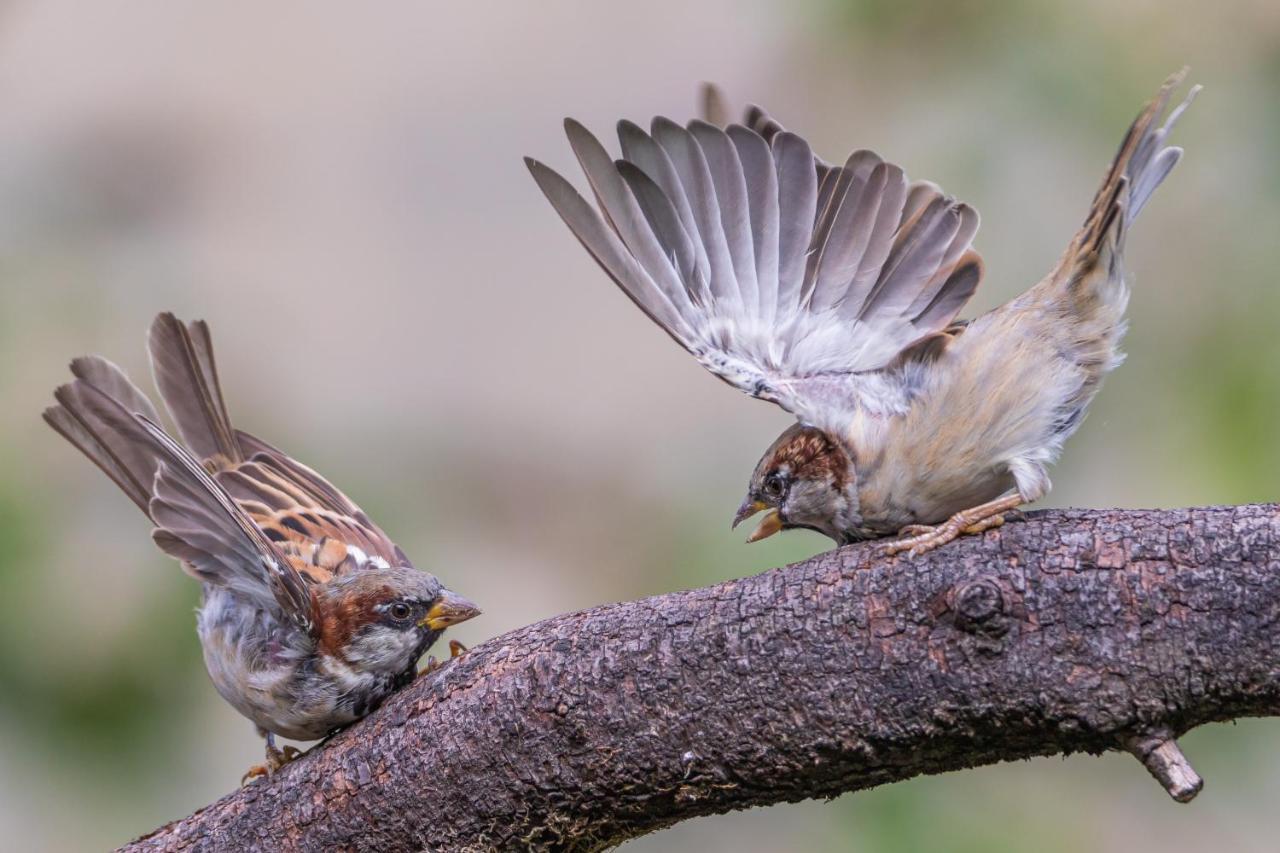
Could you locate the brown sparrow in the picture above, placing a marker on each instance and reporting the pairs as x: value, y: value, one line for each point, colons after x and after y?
x: 311, y: 616
x: 833, y: 291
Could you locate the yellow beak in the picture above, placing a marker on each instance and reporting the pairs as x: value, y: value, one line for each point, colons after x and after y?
x: 449, y: 609
x: 768, y: 526
x: 748, y: 509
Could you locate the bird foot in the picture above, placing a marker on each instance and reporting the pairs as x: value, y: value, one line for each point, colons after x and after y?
x: 276, y: 758
x: 918, y: 539
x: 455, y: 650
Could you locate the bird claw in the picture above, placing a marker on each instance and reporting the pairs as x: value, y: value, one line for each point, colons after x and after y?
x: 918, y: 539
x: 276, y: 758
x: 456, y: 649
x: 430, y: 666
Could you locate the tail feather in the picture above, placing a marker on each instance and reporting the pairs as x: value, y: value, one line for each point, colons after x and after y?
x: 86, y: 441
x: 1088, y: 290
x: 108, y: 419
x: 112, y: 381
x: 187, y: 377
x: 1140, y: 165
x: 95, y: 413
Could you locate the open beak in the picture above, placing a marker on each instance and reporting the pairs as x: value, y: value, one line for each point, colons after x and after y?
x: 748, y: 509
x: 768, y: 525
x: 449, y: 609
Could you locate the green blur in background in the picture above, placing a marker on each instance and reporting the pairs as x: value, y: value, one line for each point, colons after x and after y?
x: 338, y: 190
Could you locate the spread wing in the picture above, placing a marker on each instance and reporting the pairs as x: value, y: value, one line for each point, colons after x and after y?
x: 791, y: 279
x: 303, y: 514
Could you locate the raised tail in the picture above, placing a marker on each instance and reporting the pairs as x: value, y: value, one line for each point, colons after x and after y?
x: 187, y: 377
x: 1141, y: 164
x: 108, y: 419
x: 95, y: 413
x: 1087, y: 292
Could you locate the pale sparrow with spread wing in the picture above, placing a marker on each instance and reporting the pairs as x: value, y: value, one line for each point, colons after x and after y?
x: 311, y: 616
x: 833, y: 291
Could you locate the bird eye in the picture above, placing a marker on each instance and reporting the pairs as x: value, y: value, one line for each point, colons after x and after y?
x: 399, y: 611
x: 773, y: 486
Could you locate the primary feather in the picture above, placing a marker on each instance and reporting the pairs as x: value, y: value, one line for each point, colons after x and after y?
x: 109, y: 420
x: 239, y: 513
x: 789, y: 278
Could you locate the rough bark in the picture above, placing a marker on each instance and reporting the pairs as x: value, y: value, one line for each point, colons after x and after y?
x: 1068, y: 631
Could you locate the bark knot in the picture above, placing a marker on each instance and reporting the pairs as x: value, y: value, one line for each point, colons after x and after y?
x: 980, y: 607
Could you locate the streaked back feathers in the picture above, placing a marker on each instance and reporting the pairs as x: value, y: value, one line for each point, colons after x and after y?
x: 232, y: 504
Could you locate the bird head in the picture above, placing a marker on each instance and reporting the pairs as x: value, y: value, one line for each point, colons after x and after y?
x: 801, y: 481
x: 384, y: 619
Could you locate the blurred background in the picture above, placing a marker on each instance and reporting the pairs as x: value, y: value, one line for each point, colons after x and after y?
x: 339, y: 191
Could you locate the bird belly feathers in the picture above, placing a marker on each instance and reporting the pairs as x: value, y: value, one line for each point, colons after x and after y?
x: 992, y: 413
x: 280, y: 684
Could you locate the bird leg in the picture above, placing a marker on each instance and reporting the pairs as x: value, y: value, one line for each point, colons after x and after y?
x: 917, y: 539
x: 276, y: 758
x: 455, y: 649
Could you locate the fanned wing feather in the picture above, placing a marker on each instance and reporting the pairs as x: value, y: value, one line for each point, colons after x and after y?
x: 955, y: 292
x: 761, y: 178
x: 730, y: 188
x: 609, y: 251
x: 845, y: 240
x: 109, y: 419
x: 650, y: 158
x: 915, y: 257
x: 754, y: 118
x: 882, y: 205
x: 786, y: 277
x: 715, y: 109
x: 101, y: 387
x: 244, y: 500
x: 626, y: 216
x: 676, y: 243
x: 200, y: 524
x: 797, y: 206
x: 111, y: 380
x: 691, y: 168
x: 182, y: 362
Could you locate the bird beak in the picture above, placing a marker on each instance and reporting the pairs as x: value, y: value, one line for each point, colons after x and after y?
x: 748, y: 509
x: 449, y: 609
x: 768, y: 526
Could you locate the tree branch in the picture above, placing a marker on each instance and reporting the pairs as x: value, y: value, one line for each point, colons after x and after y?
x: 1070, y: 631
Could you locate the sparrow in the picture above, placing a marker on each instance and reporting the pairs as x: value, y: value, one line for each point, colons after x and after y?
x: 834, y: 290
x: 310, y: 616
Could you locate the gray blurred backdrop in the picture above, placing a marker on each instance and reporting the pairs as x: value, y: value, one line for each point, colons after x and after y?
x: 338, y: 189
